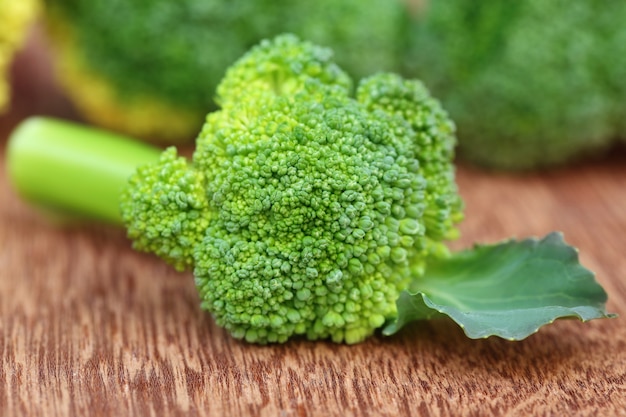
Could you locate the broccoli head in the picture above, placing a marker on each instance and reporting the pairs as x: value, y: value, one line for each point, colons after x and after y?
x: 530, y: 84
x: 149, y: 68
x: 15, y: 17
x: 304, y: 210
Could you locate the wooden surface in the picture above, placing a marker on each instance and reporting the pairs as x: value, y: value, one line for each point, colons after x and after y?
x: 89, y: 327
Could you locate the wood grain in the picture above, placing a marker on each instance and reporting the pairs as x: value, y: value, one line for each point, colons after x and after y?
x: 89, y: 327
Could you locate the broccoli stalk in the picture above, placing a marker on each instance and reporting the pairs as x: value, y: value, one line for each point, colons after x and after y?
x: 66, y: 167
x: 309, y: 210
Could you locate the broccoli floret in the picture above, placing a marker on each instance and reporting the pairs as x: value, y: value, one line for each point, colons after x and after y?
x: 320, y: 207
x: 165, y: 209
x: 15, y: 18
x: 150, y: 67
x: 306, y: 208
x: 530, y: 84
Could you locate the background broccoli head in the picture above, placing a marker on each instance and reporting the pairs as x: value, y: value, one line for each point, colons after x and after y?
x: 317, y: 207
x: 531, y: 83
x: 150, y: 68
x: 15, y: 18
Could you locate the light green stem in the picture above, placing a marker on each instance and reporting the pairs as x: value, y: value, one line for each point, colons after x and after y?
x: 74, y: 169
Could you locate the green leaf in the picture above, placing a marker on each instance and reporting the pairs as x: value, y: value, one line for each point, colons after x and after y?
x: 508, y: 290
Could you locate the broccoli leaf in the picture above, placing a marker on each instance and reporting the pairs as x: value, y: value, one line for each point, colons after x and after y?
x: 508, y: 290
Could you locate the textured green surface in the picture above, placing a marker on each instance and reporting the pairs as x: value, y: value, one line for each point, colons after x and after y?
x: 318, y: 205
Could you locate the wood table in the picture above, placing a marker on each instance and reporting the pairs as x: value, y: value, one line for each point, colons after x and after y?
x: 88, y: 327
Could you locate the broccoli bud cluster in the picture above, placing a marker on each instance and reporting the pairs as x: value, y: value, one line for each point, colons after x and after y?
x: 312, y: 208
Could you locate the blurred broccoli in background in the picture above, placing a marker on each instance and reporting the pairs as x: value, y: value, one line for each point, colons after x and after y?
x: 530, y: 83
x: 150, y: 67
x: 15, y: 17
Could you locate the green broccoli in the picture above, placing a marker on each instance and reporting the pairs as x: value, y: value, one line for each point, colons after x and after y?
x: 15, y: 19
x: 149, y: 68
x: 305, y: 210
x: 531, y: 83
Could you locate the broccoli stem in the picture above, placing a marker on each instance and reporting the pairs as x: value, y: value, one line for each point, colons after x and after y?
x: 72, y: 169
